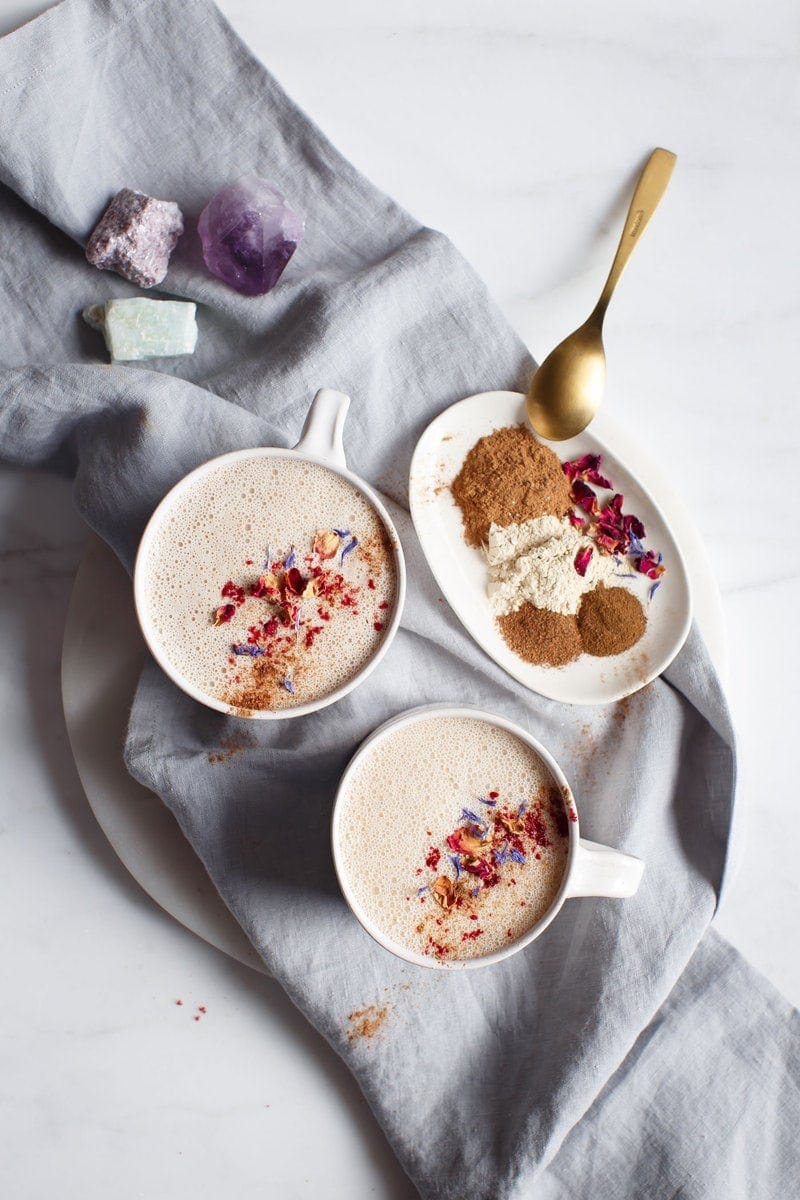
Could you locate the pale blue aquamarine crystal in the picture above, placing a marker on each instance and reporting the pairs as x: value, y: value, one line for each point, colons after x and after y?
x: 137, y: 328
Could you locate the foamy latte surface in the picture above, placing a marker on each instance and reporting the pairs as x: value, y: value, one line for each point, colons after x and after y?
x: 268, y: 582
x: 453, y: 837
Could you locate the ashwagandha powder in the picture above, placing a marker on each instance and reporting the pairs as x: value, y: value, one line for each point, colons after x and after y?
x: 534, y: 561
x: 508, y: 476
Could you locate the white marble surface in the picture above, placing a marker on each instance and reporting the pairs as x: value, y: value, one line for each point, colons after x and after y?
x: 516, y: 129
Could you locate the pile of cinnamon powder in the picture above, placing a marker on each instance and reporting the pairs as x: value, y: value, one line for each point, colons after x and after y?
x: 508, y: 477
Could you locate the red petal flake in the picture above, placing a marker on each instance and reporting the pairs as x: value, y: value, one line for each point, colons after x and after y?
x: 594, y: 476
x: 297, y: 585
x: 650, y: 565
x: 575, y: 521
x: 232, y: 592
x: 607, y: 543
x: 484, y: 870
x: 268, y: 587
x: 583, y: 496
x: 464, y: 841
x: 632, y: 525
x: 582, y: 560
x: 225, y: 613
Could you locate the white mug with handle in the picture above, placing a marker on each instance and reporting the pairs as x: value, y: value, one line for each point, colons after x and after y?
x: 591, y: 869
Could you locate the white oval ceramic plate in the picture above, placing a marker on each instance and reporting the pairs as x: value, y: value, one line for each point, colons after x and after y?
x: 460, y: 570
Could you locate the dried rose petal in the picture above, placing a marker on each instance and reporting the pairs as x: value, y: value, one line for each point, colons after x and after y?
x: 633, y: 525
x: 225, y: 613
x: 570, y: 470
x: 443, y: 891
x: 484, y: 870
x: 583, y: 496
x: 297, y: 585
x: 268, y: 587
x: 326, y: 543
x: 611, y: 534
x: 589, y: 462
x: 287, y: 614
x: 575, y: 521
x: 650, y: 565
x: 607, y: 544
x: 582, y: 560
x: 594, y: 476
x: 464, y: 841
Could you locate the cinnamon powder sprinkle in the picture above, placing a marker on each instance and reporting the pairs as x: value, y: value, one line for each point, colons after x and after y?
x: 508, y: 476
x: 610, y: 621
x: 366, y: 1022
x: 230, y: 746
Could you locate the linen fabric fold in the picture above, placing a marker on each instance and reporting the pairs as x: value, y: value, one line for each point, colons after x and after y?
x: 577, y: 1067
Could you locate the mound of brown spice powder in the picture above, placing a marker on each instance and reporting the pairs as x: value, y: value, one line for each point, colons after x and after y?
x: 538, y: 636
x: 507, y: 477
x: 610, y: 621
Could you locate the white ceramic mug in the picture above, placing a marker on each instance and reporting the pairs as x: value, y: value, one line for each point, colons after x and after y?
x: 592, y: 869
x: 320, y: 442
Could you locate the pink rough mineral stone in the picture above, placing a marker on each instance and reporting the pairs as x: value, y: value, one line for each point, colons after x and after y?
x: 249, y: 233
x: 135, y: 237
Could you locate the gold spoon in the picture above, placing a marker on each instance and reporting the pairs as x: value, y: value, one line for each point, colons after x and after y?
x: 566, y: 391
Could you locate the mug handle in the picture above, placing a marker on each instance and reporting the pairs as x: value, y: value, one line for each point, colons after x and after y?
x: 600, y: 871
x: 322, y: 432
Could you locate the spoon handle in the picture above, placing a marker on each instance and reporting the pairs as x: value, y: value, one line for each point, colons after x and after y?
x: 649, y: 190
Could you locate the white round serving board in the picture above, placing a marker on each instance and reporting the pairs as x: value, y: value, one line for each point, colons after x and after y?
x: 102, y: 657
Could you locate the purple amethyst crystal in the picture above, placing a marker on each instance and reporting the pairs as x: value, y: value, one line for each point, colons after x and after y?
x: 135, y: 237
x: 249, y: 233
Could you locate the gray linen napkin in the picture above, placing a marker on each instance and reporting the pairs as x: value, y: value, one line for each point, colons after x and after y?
x: 620, y: 1055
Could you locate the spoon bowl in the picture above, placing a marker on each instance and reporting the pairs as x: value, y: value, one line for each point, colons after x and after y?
x: 566, y: 391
